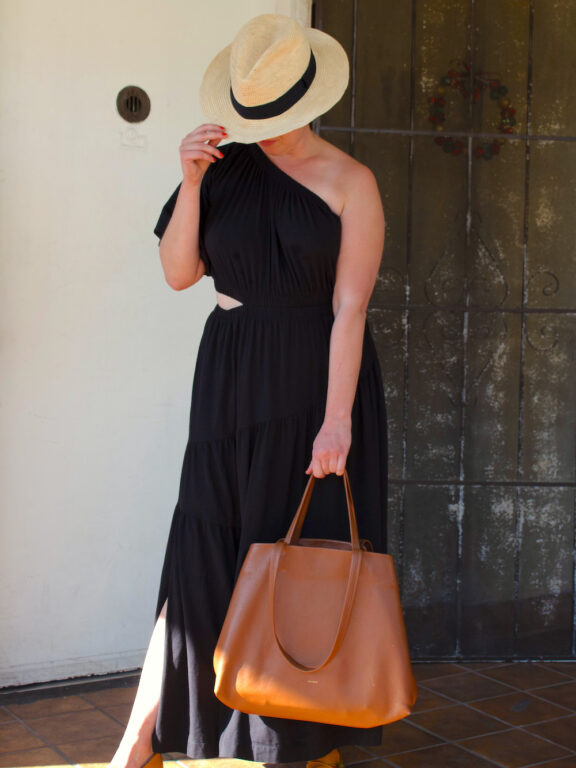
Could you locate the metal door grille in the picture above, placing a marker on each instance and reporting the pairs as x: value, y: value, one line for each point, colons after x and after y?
x: 474, y: 315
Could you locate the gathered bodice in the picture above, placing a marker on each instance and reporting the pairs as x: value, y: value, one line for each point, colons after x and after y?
x: 265, y: 238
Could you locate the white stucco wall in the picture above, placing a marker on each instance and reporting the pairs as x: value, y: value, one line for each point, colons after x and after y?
x: 97, y: 352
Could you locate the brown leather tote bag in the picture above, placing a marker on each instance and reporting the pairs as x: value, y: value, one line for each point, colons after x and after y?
x: 315, y: 631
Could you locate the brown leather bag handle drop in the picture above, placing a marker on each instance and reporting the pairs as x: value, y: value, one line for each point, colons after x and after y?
x: 292, y: 537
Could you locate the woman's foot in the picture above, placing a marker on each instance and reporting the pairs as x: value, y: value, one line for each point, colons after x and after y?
x: 154, y: 761
x: 332, y: 760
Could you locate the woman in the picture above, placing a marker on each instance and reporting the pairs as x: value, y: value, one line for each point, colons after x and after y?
x: 287, y: 381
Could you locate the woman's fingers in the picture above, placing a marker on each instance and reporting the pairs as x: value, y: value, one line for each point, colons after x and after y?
x: 318, y: 469
x: 197, y: 152
x: 321, y: 468
x: 207, y: 127
x: 195, y: 143
x: 328, y: 453
x: 206, y: 132
x: 199, y: 148
x: 209, y: 139
x: 200, y: 152
x: 327, y: 462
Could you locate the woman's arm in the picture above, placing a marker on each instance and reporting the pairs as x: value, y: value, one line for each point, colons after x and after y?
x: 363, y: 231
x: 179, y: 251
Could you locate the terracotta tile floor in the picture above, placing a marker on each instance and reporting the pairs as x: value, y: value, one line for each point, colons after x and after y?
x: 476, y: 715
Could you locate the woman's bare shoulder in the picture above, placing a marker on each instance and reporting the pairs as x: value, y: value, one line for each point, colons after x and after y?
x: 361, y: 208
x: 346, y: 171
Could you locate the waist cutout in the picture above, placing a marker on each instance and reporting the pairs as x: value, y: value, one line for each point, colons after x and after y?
x: 259, y: 299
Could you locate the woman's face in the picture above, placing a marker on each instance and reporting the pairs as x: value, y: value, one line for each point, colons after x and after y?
x: 285, y: 141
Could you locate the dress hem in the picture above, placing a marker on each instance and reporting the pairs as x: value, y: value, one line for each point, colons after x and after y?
x: 199, y: 750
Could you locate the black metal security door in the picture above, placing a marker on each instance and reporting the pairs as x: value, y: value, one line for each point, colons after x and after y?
x: 474, y: 312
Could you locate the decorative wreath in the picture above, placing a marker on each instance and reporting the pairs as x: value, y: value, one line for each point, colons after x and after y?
x: 460, y: 81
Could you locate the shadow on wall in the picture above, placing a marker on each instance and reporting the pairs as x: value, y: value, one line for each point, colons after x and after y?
x: 492, y: 630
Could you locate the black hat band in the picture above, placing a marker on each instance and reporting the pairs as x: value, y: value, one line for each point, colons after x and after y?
x: 282, y: 103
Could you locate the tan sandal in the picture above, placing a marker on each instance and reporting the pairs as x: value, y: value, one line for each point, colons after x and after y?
x: 154, y: 761
x: 332, y: 760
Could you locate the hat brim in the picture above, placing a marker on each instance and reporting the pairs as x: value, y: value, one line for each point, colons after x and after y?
x: 327, y: 88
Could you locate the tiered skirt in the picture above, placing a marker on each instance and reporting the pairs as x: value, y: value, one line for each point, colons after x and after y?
x: 258, y: 402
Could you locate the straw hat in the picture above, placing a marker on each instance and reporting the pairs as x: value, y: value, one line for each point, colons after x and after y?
x: 274, y: 77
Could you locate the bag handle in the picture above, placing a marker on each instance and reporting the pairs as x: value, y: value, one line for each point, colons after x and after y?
x: 292, y: 537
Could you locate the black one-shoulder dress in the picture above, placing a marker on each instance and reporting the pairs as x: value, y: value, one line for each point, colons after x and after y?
x: 258, y: 401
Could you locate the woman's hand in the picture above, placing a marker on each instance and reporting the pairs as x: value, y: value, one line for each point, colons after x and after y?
x: 330, y: 448
x: 196, y: 153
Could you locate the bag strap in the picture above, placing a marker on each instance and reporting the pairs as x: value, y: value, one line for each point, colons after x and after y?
x: 295, y: 529
x: 293, y: 536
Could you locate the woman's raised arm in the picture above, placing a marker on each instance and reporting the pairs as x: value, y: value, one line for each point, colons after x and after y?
x: 179, y: 248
